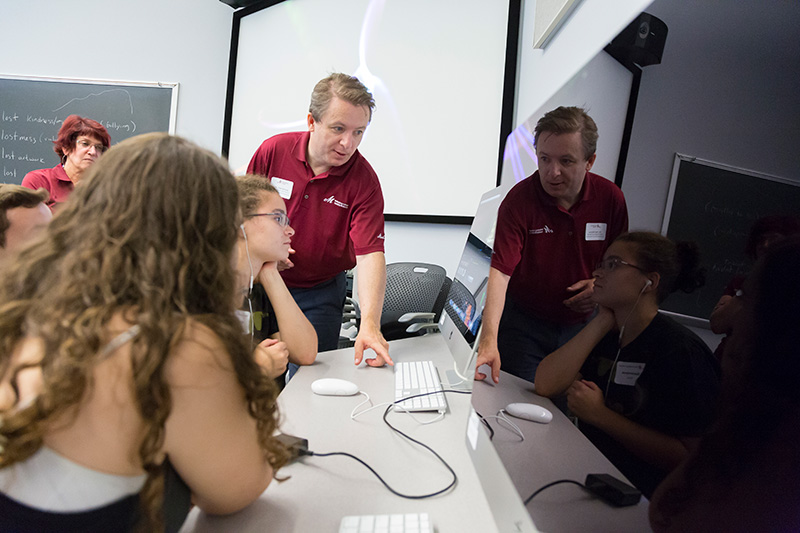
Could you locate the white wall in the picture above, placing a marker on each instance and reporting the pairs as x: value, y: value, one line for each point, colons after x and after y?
x: 185, y: 41
x: 188, y: 41
x: 540, y: 74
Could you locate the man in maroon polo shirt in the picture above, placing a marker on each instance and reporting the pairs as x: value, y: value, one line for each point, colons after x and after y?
x: 335, y: 204
x: 552, y: 229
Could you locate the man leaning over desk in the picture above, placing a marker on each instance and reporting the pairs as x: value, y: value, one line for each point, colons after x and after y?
x: 552, y: 229
x: 335, y: 205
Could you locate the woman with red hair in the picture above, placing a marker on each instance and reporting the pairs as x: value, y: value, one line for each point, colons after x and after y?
x: 80, y: 142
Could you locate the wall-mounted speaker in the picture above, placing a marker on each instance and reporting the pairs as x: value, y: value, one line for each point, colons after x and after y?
x: 642, y: 42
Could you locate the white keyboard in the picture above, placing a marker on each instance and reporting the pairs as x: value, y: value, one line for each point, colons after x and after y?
x: 386, y: 523
x: 418, y: 377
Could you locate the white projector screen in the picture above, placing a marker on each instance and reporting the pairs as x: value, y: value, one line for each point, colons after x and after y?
x: 437, y: 70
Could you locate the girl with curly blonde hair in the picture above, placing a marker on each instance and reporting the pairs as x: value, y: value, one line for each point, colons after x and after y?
x: 122, y: 362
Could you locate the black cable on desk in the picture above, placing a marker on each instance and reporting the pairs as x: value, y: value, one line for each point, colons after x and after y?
x: 532, y: 496
x: 393, y: 491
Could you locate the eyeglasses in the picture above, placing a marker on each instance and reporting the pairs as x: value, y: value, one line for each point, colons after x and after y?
x: 281, y: 218
x: 610, y: 264
x: 85, y: 145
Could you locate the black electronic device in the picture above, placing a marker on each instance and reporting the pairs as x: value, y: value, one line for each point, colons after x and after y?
x: 641, y: 42
x: 612, y: 490
x: 296, y: 445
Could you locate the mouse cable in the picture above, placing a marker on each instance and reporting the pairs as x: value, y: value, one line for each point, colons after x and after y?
x: 486, y: 423
x: 501, y: 417
x: 532, y: 496
x: 385, y: 484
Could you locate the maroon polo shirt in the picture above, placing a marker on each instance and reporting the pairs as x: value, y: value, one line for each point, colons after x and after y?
x: 546, y: 248
x: 55, y: 180
x: 336, y: 215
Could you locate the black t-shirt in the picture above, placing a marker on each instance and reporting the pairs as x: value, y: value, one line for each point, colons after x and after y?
x: 666, y: 379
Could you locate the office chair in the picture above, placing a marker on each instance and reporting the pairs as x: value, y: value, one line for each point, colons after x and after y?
x: 414, y: 298
x: 415, y: 295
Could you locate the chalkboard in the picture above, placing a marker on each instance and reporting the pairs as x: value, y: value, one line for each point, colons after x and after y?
x: 33, y: 109
x: 715, y: 205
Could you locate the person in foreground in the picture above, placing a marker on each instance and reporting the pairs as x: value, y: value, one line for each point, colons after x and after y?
x: 122, y: 361
x: 643, y: 387
x: 334, y: 199
x: 23, y: 215
x: 282, y: 333
x: 745, y: 474
x: 766, y: 231
x: 79, y: 143
x: 552, y: 228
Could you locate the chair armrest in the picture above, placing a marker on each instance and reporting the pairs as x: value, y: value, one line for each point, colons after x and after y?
x: 413, y: 328
x: 414, y: 317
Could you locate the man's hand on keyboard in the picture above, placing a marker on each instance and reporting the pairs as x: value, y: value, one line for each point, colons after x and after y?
x: 371, y: 337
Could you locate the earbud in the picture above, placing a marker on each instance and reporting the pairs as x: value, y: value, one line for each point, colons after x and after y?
x: 647, y: 284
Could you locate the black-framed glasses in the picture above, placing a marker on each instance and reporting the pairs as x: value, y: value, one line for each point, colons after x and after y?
x: 280, y: 217
x: 611, y: 264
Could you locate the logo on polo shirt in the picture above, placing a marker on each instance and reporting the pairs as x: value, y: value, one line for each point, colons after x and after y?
x: 539, y: 231
x: 382, y: 236
x: 334, y: 201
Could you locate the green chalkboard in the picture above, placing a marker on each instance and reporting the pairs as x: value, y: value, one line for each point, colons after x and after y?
x: 33, y: 109
x: 715, y: 205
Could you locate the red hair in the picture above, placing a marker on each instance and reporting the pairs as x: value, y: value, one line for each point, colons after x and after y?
x: 75, y: 126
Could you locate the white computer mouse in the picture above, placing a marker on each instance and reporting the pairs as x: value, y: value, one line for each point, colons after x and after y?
x: 334, y: 387
x: 529, y: 411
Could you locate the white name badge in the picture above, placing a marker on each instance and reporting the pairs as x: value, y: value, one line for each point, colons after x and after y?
x: 595, y: 231
x: 628, y: 373
x: 284, y: 187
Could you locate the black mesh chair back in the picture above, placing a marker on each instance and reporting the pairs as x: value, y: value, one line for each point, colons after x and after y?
x: 411, y: 288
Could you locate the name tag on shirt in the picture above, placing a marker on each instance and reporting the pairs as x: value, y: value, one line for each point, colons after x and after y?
x: 595, y: 231
x: 628, y: 373
x: 284, y: 187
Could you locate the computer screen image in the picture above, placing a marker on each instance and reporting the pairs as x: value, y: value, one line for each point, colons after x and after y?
x: 467, y: 296
x: 462, y: 316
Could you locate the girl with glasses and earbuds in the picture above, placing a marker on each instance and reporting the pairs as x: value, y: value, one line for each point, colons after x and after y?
x: 642, y: 386
x: 279, y: 330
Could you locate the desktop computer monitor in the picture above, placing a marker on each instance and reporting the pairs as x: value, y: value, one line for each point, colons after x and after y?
x: 460, y: 320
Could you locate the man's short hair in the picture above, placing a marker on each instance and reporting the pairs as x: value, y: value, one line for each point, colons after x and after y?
x: 250, y: 189
x: 12, y: 196
x: 569, y: 120
x: 347, y: 88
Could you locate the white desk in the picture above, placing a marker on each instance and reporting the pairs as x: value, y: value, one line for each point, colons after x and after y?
x: 550, y: 452
x: 324, y: 489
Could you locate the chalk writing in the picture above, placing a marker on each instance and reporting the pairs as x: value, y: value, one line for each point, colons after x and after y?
x: 127, y: 94
x: 14, y: 136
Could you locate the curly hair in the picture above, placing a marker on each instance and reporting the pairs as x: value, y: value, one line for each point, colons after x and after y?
x: 150, y: 235
x: 251, y: 190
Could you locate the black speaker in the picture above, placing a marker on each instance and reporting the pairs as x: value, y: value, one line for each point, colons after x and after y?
x: 642, y: 42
